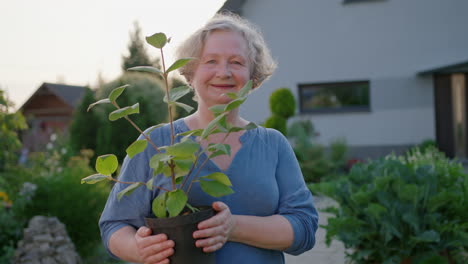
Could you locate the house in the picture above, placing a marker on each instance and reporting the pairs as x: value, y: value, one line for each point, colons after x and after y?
x: 383, y: 74
x: 49, y: 110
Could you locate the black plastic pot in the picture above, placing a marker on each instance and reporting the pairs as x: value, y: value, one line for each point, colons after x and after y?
x: 180, y: 229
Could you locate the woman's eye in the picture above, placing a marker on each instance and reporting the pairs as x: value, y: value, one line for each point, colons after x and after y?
x: 210, y: 61
x: 237, y: 62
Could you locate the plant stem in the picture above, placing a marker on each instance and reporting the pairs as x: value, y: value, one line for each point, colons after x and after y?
x: 169, y: 108
x: 161, y: 188
x: 139, y: 130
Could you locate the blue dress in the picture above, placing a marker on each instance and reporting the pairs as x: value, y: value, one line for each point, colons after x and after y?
x: 266, y: 180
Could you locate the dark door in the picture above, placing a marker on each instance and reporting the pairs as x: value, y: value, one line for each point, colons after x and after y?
x: 444, y: 113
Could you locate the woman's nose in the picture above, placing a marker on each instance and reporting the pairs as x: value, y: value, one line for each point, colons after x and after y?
x: 223, y: 70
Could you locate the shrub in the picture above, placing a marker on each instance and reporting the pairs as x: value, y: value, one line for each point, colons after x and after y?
x: 282, y: 103
x: 395, y: 208
x: 276, y: 122
x: 77, y: 206
x: 145, y: 89
x: 282, y: 106
x: 317, y: 164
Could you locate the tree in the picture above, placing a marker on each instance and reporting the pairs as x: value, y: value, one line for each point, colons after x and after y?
x: 137, y: 55
x: 83, y: 128
x: 146, y: 89
x: 11, y: 123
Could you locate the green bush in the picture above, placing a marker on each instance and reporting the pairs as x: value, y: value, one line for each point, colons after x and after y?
x: 146, y: 90
x: 60, y: 194
x: 83, y: 133
x: 282, y: 103
x: 317, y: 163
x: 394, y: 208
x: 276, y: 122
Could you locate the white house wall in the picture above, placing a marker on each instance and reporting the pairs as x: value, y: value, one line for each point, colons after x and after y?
x: 386, y: 42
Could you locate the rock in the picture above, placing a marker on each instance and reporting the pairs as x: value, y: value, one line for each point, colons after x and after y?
x: 45, y: 241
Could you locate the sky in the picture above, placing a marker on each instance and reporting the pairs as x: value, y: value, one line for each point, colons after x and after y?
x: 72, y: 42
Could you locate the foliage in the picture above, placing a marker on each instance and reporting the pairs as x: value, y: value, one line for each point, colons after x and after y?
x: 402, y: 206
x: 10, y: 124
x: 177, y: 160
x: 186, y: 99
x: 282, y: 103
x: 276, y: 122
x: 317, y: 163
x: 137, y: 55
x: 83, y: 133
x: 282, y: 106
x: 58, y: 195
x: 145, y: 89
x: 11, y: 220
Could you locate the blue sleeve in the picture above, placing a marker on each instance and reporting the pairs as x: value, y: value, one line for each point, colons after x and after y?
x: 296, y: 203
x: 131, y: 209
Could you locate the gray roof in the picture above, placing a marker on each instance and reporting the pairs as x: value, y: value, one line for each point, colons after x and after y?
x: 69, y: 94
x: 234, y: 6
x: 461, y: 67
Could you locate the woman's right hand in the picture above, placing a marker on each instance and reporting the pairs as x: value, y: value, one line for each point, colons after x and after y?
x: 153, y: 249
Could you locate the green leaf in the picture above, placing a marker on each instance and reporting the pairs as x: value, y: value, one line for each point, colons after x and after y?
x: 195, y: 132
x: 218, y: 109
x: 106, y: 164
x: 117, y: 92
x: 182, y: 167
x: 145, y: 69
x: 176, y: 201
x: 232, y: 95
x: 149, y: 184
x: 92, y: 179
x: 235, y: 104
x: 148, y: 131
x: 186, y: 107
x: 157, y: 162
x: 219, y: 149
x: 219, y: 177
x: 215, y: 188
x: 122, y: 112
x: 179, y: 180
x: 246, y: 89
x: 211, y: 125
x: 102, y: 101
x: 157, y: 40
x: 250, y: 126
x: 128, y: 190
x: 179, y: 63
x: 176, y: 93
x: 136, y: 147
x: 428, y: 236
x: 183, y: 150
x: 159, y: 206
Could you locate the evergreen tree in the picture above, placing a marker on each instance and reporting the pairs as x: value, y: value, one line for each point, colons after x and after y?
x: 137, y: 55
x: 83, y: 130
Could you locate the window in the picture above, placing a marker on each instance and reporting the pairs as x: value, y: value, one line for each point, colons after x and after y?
x: 334, y: 97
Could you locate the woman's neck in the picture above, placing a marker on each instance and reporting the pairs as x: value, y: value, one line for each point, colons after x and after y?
x: 203, y: 116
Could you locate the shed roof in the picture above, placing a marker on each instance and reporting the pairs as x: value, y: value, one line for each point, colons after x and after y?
x: 69, y: 94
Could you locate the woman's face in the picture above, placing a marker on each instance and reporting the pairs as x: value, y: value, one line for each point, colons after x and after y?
x: 224, y: 67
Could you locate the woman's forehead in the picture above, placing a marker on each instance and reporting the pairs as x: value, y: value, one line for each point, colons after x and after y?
x: 225, y: 42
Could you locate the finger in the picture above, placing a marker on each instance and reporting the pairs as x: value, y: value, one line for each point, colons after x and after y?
x: 213, y: 248
x: 161, y: 257
x: 143, y: 231
x: 208, y: 242
x: 216, y: 220
x: 143, y: 242
x: 210, y: 232
x: 157, y: 250
x: 219, y: 206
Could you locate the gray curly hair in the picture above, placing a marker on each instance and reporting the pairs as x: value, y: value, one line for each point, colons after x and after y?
x: 259, y: 55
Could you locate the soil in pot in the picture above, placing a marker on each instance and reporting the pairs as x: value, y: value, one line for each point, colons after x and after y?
x: 180, y: 229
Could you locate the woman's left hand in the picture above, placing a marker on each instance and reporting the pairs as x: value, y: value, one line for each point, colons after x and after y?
x: 213, y: 233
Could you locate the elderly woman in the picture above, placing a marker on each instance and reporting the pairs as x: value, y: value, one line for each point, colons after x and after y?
x: 271, y: 211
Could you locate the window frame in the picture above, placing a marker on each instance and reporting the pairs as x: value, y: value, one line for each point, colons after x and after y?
x: 343, y: 109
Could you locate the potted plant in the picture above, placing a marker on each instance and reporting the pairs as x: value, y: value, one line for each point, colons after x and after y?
x: 178, y: 161
x: 402, y: 209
